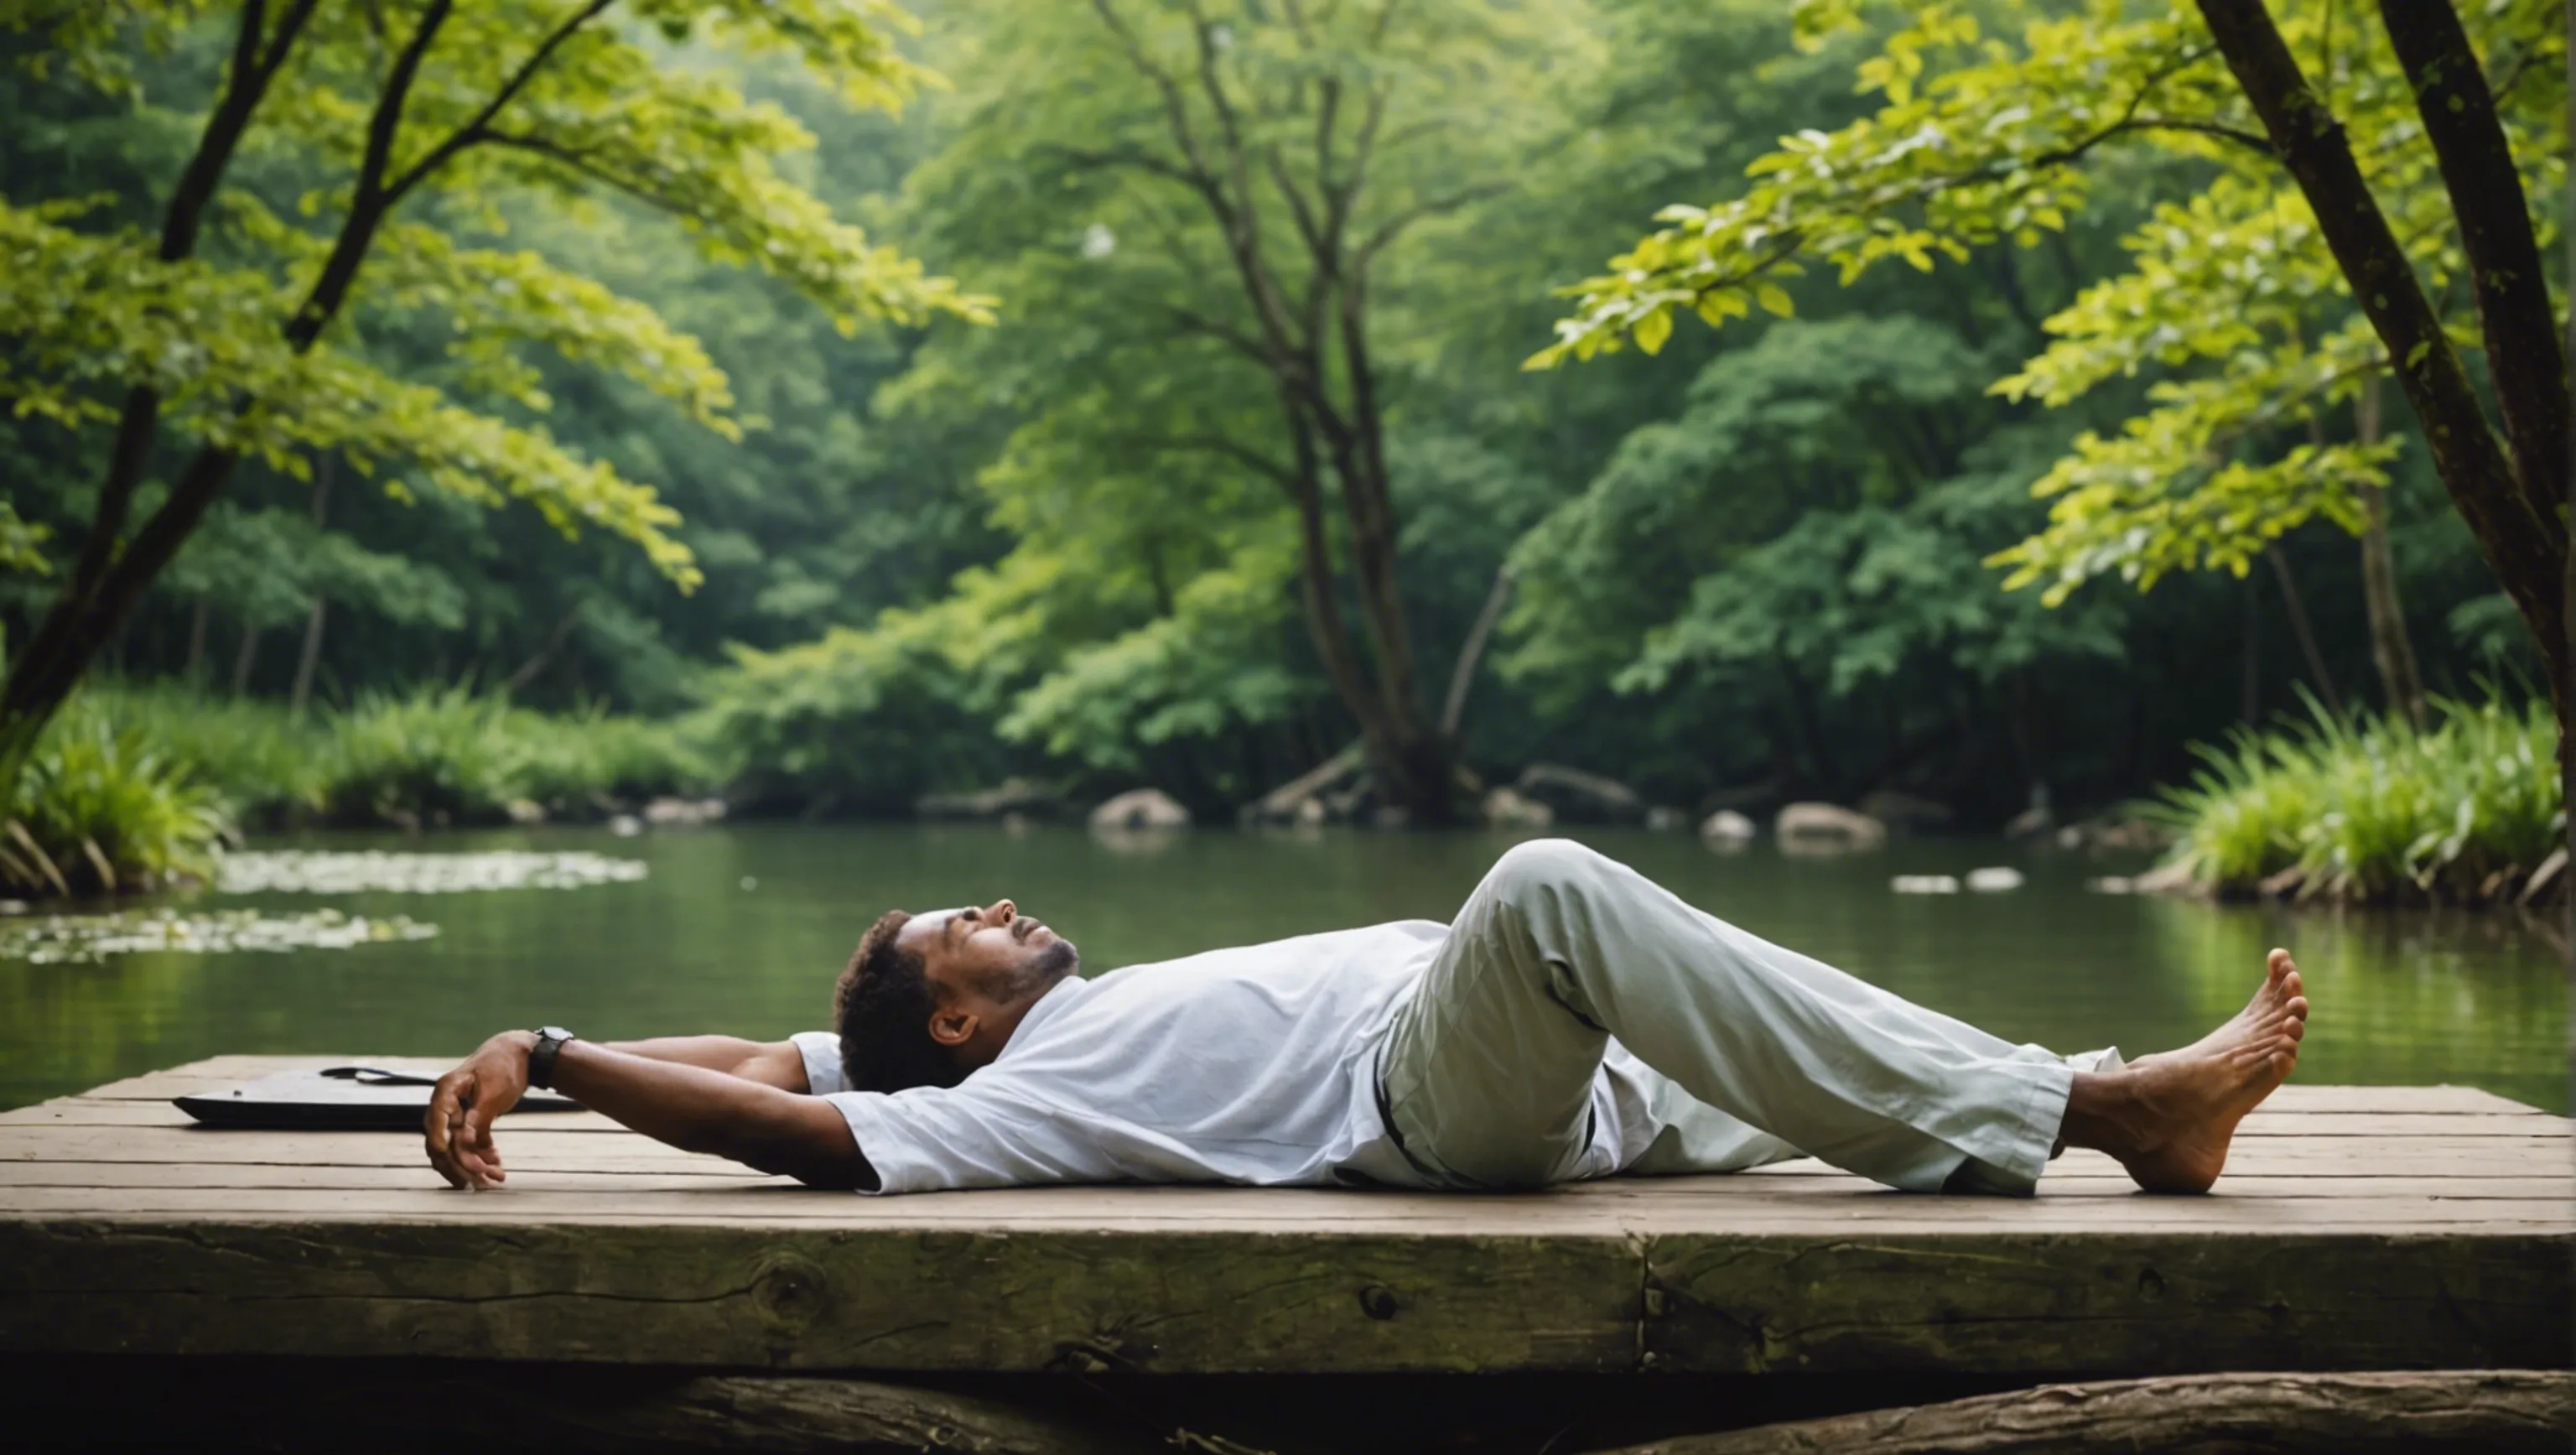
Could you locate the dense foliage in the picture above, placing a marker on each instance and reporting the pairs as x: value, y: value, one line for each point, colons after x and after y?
x: 1248, y: 449
x: 2379, y: 811
x: 137, y: 786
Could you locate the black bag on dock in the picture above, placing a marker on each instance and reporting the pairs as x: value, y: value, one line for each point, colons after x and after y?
x: 337, y: 1098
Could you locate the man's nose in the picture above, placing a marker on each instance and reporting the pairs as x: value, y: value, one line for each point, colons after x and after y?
x: 1002, y: 912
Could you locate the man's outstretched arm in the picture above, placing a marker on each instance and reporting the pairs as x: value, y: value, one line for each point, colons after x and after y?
x: 771, y: 1063
x: 688, y: 1106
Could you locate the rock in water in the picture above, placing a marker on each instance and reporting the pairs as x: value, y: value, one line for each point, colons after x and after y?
x: 669, y: 812
x: 1924, y: 884
x: 1141, y: 808
x: 1726, y: 826
x: 1905, y: 812
x: 2000, y: 879
x: 1505, y: 808
x: 1575, y: 796
x: 1827, y: 826
x: 1010, y: 796
x: 1665, y: 819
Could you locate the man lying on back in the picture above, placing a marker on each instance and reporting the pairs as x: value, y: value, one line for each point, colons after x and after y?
x: 1576, y: 1021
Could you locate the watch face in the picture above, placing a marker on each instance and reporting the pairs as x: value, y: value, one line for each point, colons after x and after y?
x: 555, y: 1033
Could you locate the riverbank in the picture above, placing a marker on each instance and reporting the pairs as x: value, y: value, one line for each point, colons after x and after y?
x: 136, y: 788
x: 2465, y: 811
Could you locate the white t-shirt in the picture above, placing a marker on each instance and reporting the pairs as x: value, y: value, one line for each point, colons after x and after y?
x: 1255, y: 1065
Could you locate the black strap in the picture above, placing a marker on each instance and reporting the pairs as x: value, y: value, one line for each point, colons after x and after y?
x: 373, y: 1076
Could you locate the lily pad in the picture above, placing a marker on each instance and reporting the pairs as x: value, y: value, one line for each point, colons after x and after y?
x: 302, y: 871
x: 59, y: 939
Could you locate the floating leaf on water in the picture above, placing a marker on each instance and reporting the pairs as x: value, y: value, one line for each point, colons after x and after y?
x: 297, y: 871
x: 59, y: 939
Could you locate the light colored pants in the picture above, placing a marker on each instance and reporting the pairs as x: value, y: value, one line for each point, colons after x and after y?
x: 1491, y: 1067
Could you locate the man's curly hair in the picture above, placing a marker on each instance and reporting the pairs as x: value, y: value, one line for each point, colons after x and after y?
x: 881, y: 1008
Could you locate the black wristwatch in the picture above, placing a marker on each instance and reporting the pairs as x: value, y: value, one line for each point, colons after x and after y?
x: 541, y: 1061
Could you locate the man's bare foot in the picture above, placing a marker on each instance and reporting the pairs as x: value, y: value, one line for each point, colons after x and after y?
x: 2280, y: 986
x: 2169, y: 1117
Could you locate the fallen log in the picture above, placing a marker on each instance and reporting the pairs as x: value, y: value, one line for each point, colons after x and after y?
x: 2488, y: 1411
x: 406, y: 1406
x: 763, y: 1415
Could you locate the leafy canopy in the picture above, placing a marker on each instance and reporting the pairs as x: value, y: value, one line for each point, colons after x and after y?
x: 1995, y: 134
x: 510, y: 101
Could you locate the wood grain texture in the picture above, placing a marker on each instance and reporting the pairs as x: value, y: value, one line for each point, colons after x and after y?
x: 2358, y: 1228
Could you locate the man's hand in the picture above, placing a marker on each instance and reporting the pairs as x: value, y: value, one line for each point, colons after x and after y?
x: 458, y: 1128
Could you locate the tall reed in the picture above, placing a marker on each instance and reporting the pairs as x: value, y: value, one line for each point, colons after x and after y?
x: 2375, y: 810
x: 135, y: 786
x: 100, y: 807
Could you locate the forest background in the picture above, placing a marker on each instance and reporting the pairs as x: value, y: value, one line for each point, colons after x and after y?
x: 1073, y: 544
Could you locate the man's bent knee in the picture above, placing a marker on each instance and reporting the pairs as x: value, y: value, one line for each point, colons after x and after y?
x: 1542, y: 866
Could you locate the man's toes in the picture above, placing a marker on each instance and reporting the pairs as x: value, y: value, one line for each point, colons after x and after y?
x: 2277, y: 964
x: 2295, y: 1028
x: 2292, y: 985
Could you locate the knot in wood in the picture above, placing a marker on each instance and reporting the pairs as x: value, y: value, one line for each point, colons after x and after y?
x: 2151, y: 1285
x: 1378, y: 1301
x: 789, y: 1290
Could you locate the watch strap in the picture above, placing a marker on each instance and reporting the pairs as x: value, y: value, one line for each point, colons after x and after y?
x: 541, y: 1060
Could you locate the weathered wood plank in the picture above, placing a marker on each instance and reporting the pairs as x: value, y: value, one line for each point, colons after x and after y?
x: 1851, y: 1210
x: 824, y: 1298
x: 2079, y: 1180
x: 2357, y: 1228
x: 2109, y: 1302
x: 820, y: 1298
x: 83, y: 1111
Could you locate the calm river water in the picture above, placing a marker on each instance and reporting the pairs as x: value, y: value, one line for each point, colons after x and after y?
x: 743, y: 929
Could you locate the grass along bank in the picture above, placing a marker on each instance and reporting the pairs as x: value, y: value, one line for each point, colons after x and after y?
x: 136, y: 788
x: 2464, y: 811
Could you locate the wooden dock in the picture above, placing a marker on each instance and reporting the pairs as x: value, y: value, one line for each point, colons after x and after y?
x: 2357, y: 1229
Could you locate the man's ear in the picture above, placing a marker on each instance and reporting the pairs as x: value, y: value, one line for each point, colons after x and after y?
x: 953, y: 1025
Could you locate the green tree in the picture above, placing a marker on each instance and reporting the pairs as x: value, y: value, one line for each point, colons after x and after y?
x: 2373, y: 221
x: 1217, y: 221
x: 229, y: 330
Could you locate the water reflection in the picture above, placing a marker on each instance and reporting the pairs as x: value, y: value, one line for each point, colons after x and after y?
x: 743, y: 928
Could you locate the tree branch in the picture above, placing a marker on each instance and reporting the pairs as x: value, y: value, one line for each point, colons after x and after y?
x: 1233, y: 338
x: 1251, y: 459
x: 581, y: 165
x: 368, y: 204
x: 1395, y: 226
x: 472, y: 130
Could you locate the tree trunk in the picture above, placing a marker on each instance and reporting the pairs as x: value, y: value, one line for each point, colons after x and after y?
x: 2390, y: 646
x: 311, y: 656
x: 195, y: 674
x: 556, y: 640
x: 2526, y: 546
x: 2465, y: 1411
x: 1453, y: 712
x: 86, y: 614
x: 245, y: 659
x: 2300, y: 628
x: 2525, y: 365
x: 2253, y: 673
x: 2567, y: 580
